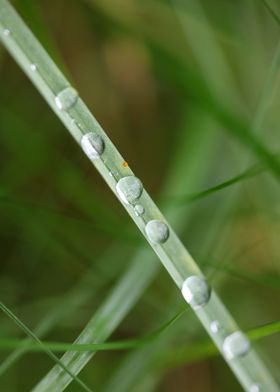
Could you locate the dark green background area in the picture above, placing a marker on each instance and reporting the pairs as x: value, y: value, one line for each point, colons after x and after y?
x: 189, y: 93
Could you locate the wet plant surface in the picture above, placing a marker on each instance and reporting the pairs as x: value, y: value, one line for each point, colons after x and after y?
x: 191, y: 102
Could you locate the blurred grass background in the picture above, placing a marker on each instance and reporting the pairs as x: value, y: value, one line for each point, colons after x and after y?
x: 178, y: 86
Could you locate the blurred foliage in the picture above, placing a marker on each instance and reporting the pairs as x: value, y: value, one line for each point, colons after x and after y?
x: 152, y: 72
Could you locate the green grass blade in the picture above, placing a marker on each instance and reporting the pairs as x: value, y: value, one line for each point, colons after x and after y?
x: 199, y: 145
x: 246, y: 174
x: 12, y: 343
x: 34, y: 337
x: 110, y: 164
x: 206, y: 349
x: 103, y: 323
x: 71, y: 301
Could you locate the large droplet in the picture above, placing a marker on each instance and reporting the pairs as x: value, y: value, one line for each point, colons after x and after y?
x: 196, y: 291
x: 129, y: 189
x: 93, y: 145
x: 236, y: 345
x: 157, y: 231
x: 66, y: 98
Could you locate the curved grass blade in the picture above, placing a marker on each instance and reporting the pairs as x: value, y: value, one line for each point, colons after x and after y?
x: 34, y: 337
x: 206, y: 349
x: 246, y: 174
x: 81, y: 292
x: 107, y: 318
x: 72, y: 111
x: 185, y: 355
x: 12, y: 343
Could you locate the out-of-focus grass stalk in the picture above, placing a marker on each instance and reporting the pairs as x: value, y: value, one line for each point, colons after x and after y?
x: 10, y: 343
x: 65, y: 306
x: 64, y: 100
x: 28, y: 332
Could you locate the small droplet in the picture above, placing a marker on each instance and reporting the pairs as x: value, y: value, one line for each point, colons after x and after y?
x: 93, y: 145
x: 110, y: 174
x: 66, y: 98
x: 129, y: 189
x: 6, y: 32
x: 139, y: 209
x: 157, y: 231
x: 255, y: 388
x: 33, y: 67
x: 196, y: 291
x: 236, y: 345
x: 215, y: 326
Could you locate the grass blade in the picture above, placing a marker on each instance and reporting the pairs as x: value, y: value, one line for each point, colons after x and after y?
x: 182, y: 199
x: 74, y: 114
x: 24, y: 328
x: 199, y: 145
x: 255, y: 334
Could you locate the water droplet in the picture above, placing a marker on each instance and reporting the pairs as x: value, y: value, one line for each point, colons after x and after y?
x: 157, y: 231
x: 66, y: 98
x: 6, y: 32
x: 215, y: 326
x: 196, y: 291
x: 129, y: 189
x: 236, y: 345
x: 93, y: 145
x: 139, y: 209
x: 33, y: 67
x: 255, y: 388
x: 110, y: 174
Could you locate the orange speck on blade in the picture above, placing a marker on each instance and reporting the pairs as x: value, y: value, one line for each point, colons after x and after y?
x: 125, y: 164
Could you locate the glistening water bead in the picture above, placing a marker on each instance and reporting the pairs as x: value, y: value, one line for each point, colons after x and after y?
x: 157, y: 231
x: 66, y: 98
x: 215, y: 326
x: 129, y: 189
x: 93, y: 145
x: 236, y: 345
x: 255, y: 388
x: 196, y: 291
x: 139, y: 209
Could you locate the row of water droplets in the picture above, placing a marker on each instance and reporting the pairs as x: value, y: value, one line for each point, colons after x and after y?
x: 195, y: 289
